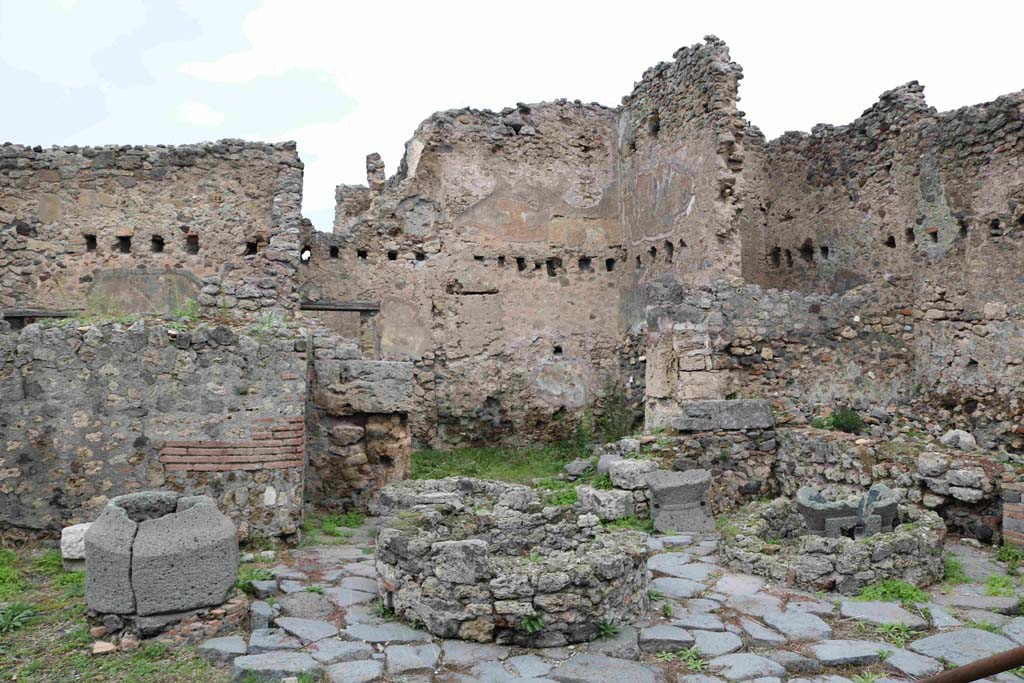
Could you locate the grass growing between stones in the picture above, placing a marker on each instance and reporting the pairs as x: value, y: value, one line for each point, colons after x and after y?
x: 512, y: 465
x: 954, y: 573
x: 894, y: 590
x: 50, y: 643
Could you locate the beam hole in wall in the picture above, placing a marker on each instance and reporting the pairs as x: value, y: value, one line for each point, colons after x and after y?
x: 392, y: 255
x: 682, y: 244
x: 586, y: 264
x: 553, y: 265
x: 890, y: 242
x: 192, y: 244
x: 156, y: 244
x: 776, y: 256
x: 964, y: 228
x: 124, y: 244
x: 478, y: 258
x: 670, y: 250
x: 333, y: 252
x: 361, y: 253
x: 653, y: 251
x: 789, y: 259
x: 557, y: 350
x: 520, y: 263
x: 305, y: 254
x: 90, y: 242
x: 609, y: 264
x: 654, y: 124
x: 639, y: 263
x: 995, y: 228
x: 421, y: 256
x: 934, y: 234
x: 251, y: 247
x: 807, y: 250
x: 909, y: 235
x: 537, y: 265
x: 824, y: 251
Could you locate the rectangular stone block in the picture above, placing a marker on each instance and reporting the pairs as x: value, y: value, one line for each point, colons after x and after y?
x: 704, y: 416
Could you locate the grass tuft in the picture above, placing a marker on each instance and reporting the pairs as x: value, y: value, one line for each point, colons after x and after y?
x: 513, y: 465
x: 894, y: 590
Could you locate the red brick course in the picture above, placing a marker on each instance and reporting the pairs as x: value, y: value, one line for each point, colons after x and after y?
x: 277, y: 442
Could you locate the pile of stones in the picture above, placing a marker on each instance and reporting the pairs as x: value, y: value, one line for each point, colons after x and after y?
x: 156, y: 558
x: 818, y: 542
x: 488, y: 561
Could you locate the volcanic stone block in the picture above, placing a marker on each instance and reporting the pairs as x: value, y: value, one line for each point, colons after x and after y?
x: 680, y: 500
x: 460, y: 561
x: 607, y: 504
x: 146, y: 505
x: 706, y: 416
x: 108, y: 562
x: 184, y: 560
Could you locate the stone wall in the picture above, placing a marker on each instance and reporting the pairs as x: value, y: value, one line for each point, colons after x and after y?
x: 136, y: 229
x: 91, y: 412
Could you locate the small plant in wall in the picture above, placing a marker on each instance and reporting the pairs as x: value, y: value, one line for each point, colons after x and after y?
x: 842, y: 420
x: 607, y: 629
x: 533, y: 623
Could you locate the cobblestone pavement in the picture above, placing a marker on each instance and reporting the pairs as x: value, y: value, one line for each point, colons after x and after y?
x: 706, y: 625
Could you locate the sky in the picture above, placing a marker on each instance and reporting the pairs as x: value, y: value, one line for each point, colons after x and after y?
x: 344, y: 79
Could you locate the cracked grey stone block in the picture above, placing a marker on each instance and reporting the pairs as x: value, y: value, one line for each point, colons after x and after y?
x: 108, y: 562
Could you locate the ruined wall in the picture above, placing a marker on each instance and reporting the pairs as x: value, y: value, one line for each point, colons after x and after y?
x: 495, y: 256
x: 681, y: 154
x: 95, y: 411
x: 136, y: 229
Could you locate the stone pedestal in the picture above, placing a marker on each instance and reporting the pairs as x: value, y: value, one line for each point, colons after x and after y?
x: 680, y: 501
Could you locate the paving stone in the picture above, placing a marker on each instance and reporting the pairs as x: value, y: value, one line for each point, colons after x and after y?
x: 696, y: 571
x: 364, y: 569
x: 880, y: 613
x: 667, y: 563
x: 291, y: 586
x: 984, y: 616
x: 743, y: 666
x: 676, y: 540
x: 754, y: 605
x: 739, y: 584
x: 362, y: 671
x: 793, y: 662
x: 528, y: 666
x: 987, y: 602
x: 798, y: 625
x: 677, y: 588
x: 273, y: 666
x: 346, y: 597
x: 700, y: 678
x: 664, y: 637
x: 271, y: 640
x: 307, y: 630
x: 1014, y: 630
x: 819, y: 607
x: 590, y: 668
x: 698, y: 620
x: 940, y: 616
x: 306, y: 605
x: 716, y: 643
x: 702, y: 605
x: 654, y: 545
x: 962, y: 646
x: 624, y: 645
x: 264, y: 589
x: 847, y: 652
x: 332, y: 650
x: 283, y: 572
x: 761, y: 635
x: 824, y: 679
x: 359, y: 583
x: 461, y: 653
x: 388, y: 632
x: 261, y: 615
x: 403, y: 659
x: 222, y: 650
x: 912, y: 664
x: 489, y: 671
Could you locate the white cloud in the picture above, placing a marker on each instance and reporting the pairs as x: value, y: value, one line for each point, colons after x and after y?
x: 198, y: 114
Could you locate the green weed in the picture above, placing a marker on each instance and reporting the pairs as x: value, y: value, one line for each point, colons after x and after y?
x: 894, y: 590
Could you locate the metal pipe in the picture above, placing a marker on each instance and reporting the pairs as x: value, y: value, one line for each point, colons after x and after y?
x: 989, y: 666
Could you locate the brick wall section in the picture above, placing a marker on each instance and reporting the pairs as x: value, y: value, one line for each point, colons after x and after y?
x: 276, y: 442
x: 1013, y: 513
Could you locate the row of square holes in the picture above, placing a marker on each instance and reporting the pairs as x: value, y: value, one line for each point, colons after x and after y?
x: 156, y: 244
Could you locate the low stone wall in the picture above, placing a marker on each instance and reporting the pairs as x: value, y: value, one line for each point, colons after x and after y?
x: 770, y: 540
x: 93, y: 411
x: 486, y: 561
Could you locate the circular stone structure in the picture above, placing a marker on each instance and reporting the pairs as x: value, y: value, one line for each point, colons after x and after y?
x: 159, y: 553
x: 772, y: 539
x: 487, y: 561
